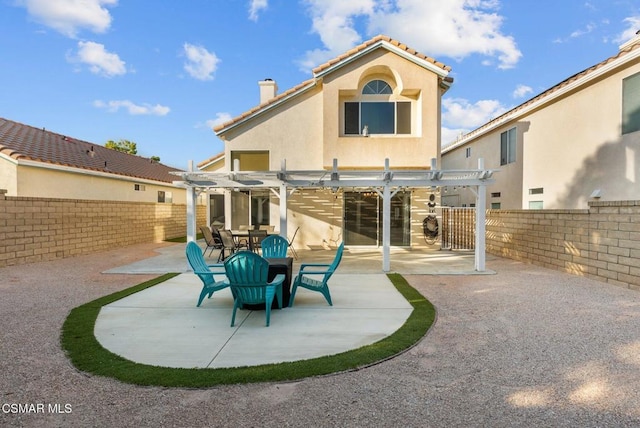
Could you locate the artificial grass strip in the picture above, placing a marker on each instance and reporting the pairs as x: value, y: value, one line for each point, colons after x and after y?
x: 86, y: 353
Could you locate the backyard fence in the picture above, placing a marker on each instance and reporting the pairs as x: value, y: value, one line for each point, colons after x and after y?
x: 41, y: 229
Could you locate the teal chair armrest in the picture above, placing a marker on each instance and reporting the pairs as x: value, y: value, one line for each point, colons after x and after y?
x: 277, y: 282
x: 306, y: 265
x: 313, y: 272
x: 278, y: 279
x: 209, y: 272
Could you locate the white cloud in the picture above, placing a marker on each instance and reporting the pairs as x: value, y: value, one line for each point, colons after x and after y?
x: 632, y: 23
x: 201, y: 64
x: 460, y: 113
x: 70, y: 16
x: 255, y: 6
x: 98, y: 59
x: 589, y: 28
x: 132, y: 108
x: 219, y: 120
x: 453, y: 28
x: 522, y: 91
x: 581, y: 32
x: 459, y: 116
x: 449, y: 136
x: 333, y: 21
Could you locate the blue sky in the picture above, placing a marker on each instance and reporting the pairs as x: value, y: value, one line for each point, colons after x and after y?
x: 162, y: 73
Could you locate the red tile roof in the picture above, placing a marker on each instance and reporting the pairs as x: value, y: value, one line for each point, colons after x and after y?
x: 23, y: 142
x: 310, y: 82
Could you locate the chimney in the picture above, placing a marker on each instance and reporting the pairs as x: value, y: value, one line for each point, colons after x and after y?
x: 268, y: 90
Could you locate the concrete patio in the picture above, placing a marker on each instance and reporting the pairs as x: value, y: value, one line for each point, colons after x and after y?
x: 162, y: 326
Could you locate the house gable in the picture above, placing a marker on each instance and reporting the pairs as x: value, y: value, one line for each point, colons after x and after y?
x: 306, y: 124
x: 337, y: 63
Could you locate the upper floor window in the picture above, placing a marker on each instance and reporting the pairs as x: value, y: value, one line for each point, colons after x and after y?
x: 508, y: 146
x: 373, y: 115
x: 467, y: 152
x: 631, y: 104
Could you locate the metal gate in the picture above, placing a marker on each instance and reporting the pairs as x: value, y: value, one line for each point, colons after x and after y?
x: 458, y: 228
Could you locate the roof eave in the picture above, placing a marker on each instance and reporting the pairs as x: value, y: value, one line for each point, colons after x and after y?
x: 219, y: 133
x: 391, y: 47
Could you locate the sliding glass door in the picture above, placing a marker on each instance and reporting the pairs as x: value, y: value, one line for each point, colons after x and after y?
x: 363, y: 218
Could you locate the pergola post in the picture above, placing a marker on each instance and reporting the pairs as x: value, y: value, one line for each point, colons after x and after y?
x: 283, y: 199
x: 386, y: 220
x: 283, y: 210
x: 191, y: 210
x: 481, y: 216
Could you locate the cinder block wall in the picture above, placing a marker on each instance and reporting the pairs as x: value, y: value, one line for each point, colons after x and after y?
x: 41, y: 229
x: 602, y: 242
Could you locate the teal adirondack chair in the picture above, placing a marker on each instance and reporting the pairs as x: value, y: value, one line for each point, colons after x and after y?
x: 274, y: 246
x: 248, y: 277
x: 320, y: 285
x: 203, y: 270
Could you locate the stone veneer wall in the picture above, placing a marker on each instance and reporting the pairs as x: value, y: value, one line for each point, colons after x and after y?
x: 40, y: 229
x: 602, y: 242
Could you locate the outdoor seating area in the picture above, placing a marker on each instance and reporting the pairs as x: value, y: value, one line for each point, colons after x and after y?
x: 161, y: 326
x: 254, y: 279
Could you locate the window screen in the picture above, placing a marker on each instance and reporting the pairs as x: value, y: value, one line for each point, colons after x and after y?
x: 508, y: 146
x: 631, y: 104
x: 404, y: 117
x: 351, y: 118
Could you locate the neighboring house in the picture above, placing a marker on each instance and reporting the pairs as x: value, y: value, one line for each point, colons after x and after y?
x: 574, y: 142
x: 379, y: 100
x: 35, y: 162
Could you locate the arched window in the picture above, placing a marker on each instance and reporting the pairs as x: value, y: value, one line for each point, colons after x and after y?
x: 375, y: 115
x: 376, y: 87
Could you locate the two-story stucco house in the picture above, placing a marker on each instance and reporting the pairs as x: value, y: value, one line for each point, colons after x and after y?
x: 35, y: 162
x: 380, y: 100
x: 574, y: 142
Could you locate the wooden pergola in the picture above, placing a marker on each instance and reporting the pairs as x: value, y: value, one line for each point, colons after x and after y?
x: 385, y: 182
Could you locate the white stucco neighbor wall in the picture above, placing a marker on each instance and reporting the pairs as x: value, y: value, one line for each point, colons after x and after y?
x: 569, y: 146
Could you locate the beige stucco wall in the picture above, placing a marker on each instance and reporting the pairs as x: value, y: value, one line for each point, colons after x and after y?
x: 569, y: 147
x: 409, y: 82
x: 52, y: 183
x: 307, y: 129
x: 508, y: 180
x: 575, y: 146
x: 8, y: 176
x: 292, y: 132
